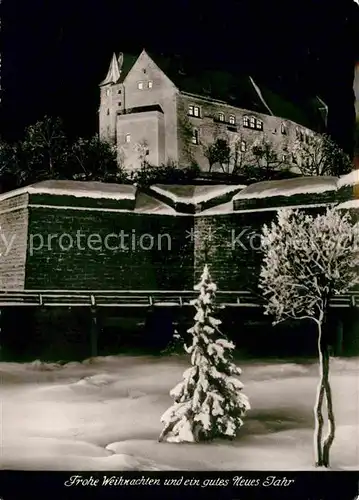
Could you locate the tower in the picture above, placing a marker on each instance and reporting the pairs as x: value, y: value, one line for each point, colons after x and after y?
x: 111, y: 94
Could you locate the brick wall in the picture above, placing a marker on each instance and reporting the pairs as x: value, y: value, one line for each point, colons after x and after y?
x: 13, y: 241
x: 88, y: 264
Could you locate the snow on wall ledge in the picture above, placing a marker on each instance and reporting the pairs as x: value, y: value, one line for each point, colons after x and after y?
x: 79, y: 189
x: 288, y: 187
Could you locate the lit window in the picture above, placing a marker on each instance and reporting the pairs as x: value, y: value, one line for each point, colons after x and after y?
x: 128, y: 138
x: 108, y: 92
x: 283, y: 129
x: 252, y: 122
x: 259, y: 125
x: 193, y: 111
x: 284, y: 157
x: 221, y: 117
x: 195, y: 138
x: 150, y: 84
x: 245, y: 121
x: 243, y: 146
x: 232, y: 119
x: 140, y: 85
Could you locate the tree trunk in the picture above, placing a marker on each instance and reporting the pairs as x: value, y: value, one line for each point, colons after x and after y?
x: 324, y: 389
x: 331, y: 420
x: 318, y: 408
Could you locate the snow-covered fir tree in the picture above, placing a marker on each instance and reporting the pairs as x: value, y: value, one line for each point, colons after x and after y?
x: 209, y: 402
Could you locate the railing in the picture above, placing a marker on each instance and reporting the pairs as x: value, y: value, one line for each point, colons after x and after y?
x: 140, y: 298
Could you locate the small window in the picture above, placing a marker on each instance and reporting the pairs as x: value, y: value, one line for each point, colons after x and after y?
x: 195, y: 137
x: 245, y: 121
x: 128, y: 138
x: 150, y: 84
x: 144, y: 70
x: 119, y: 103
x: 243, y: 146
x: 108, y: 92
x: 297, y: 132
x: 283, y: 129
x: 107, y: 112
x: 252, y: 122
x: 232, y: 119
x: 221, y: 117
x: 301, y: 136
x: 140, y: 85
x: 259, y: 125
x: 284, y: 157
x: 193, y: 111
x: 119, y: 91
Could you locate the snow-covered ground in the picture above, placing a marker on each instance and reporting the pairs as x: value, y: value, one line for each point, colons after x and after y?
x: 104, y: 414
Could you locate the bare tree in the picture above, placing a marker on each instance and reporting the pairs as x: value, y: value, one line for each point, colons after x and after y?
x: 320, y: 155
x: 307, y: 260
x: 142, y: 149
x: 266, y: 160
x: 218, y: 152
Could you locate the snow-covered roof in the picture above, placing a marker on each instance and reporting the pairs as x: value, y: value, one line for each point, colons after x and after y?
x: 288, y: 187
x: 191, y: 194
x: 224, y: 208
x: 348, y: 204
x: 79, y: 189
x: 349, y: 180
x: 148, y: 204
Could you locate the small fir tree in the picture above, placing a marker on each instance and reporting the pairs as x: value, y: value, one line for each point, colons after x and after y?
x: 209, y: 402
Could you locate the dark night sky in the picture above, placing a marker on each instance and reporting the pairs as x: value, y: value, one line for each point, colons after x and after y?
x: 56, y: 52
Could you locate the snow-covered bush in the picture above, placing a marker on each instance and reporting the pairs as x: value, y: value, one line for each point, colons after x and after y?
x: 308, y: 260
x: 209, y: 402
x: 175, y: 346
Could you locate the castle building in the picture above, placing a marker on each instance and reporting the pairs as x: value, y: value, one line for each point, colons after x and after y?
x: 155, y: 109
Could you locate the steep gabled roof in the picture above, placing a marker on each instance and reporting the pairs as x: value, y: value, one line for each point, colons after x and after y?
x: 241, y: 91
x: 119, y: 68
x: 113, y: 74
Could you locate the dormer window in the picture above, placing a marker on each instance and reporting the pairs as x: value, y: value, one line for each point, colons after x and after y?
x: 194, y: 111
x: 245, y: 121
x: 140, y: 85
x: 128, y: 138
x: 232, y: 119
x: 150, y: 84
x: 221, y: 117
